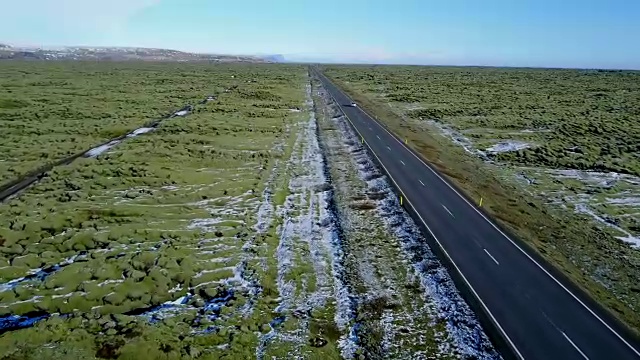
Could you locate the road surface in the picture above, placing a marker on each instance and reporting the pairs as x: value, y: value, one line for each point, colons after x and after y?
x: 538, y: 316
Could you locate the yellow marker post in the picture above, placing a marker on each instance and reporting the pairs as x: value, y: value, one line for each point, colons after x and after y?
x: 481, y: 202
x: 400, y: 200
x: 405, y: 141
x: 362, y: 139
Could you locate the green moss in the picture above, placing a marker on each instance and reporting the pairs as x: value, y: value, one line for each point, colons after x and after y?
x: 69, y: 277
x: 130, y: 209
x: 22, y: 308
x: 13, y: 272
x: 212, y: 276
x: 114, y: 298
x: 512, y: 100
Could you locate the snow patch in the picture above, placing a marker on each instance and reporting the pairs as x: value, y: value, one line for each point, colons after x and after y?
x: 506, y: 146
x: 101, y: 149
x: 104, y: 147
x: 626, y: 201
x: 603, y: 179
x: 628, y: 237
x: 539, y: 130
x: 140, y: 131
x: 456, y: 137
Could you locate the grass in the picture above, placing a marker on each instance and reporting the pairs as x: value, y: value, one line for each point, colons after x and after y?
x: 51, y: 110
x: 590, y: 114
x: 156, y: 216
x: 592, y: 111
x: 304, y: 280
x: 224, y: 211
x: 395, y: 320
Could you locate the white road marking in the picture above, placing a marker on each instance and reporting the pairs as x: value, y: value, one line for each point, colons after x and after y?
x: 422, y: 183
x: 389, y: 148
x: 447, y: 210
x: 475, y: 293
x: 370, y: 128
x: 574, y: 345
x: 491, y: 256
x: 476, y: 241
x: 378, y: 136
x: 549, y: 319
x: 512, y: 242
x: 402, y: 162
x: 563, y: 333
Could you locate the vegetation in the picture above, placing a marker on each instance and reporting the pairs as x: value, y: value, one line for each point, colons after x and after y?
x: 218, y: 235
x: 393, y: 317
x: 51, y: 110
x: 148, y: 250
x: 589, y: 117
x: 564, y: 119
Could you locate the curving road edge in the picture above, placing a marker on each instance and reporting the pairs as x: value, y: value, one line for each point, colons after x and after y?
x: 529, y: 309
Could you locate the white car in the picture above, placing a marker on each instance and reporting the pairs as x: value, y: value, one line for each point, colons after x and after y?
x: 354, y: 104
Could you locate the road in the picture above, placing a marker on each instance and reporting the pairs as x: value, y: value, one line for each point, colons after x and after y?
x: 537, y: 315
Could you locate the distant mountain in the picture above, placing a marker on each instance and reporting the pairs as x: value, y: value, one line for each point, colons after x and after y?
x: 122, y: 54
x: 277, y: 58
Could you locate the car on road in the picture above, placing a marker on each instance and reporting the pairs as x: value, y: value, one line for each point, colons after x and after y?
x: 353, y: 104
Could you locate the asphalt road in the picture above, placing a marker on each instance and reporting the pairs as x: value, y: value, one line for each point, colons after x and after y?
x: 539, y: 316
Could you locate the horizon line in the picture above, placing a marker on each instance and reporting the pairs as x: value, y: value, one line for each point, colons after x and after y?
x: 324, y: 61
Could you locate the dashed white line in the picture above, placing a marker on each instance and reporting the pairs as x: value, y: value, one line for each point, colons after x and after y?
x: 514, y: 244
x: 574, y: 345
x: 549, y: 320
x: 402, y: 162
x: 562, y: 332
x: 389, y: 148
x: 378, y: 136
x: 491, y: 256
x: 475, y: 293
x: 450, y: 213
x: 370, y: 128
x: 476, y: 241
x: 422, y: 183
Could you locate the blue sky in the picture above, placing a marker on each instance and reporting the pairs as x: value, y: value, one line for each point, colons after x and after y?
x: 563, y: 33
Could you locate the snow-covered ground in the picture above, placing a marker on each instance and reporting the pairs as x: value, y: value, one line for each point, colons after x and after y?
x: 309, y: 250
x: 506, y: 146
